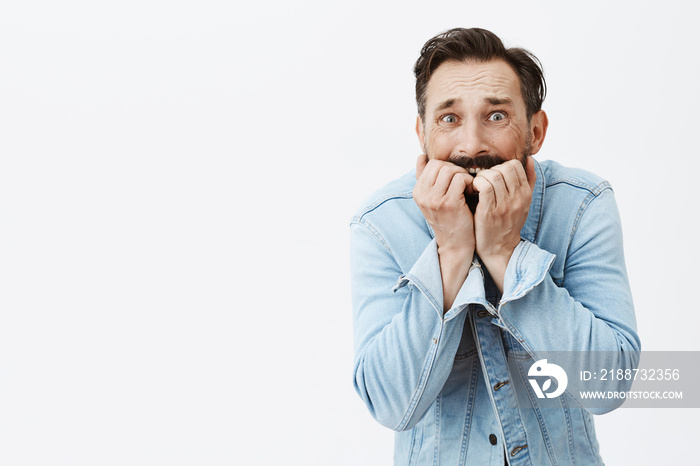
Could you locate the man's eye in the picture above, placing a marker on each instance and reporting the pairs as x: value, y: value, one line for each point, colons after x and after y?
x: 497, y: 116
x: 449, y: 119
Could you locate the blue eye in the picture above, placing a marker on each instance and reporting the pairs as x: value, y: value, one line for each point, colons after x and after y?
x: 449, y: 119
x: 497, y: 116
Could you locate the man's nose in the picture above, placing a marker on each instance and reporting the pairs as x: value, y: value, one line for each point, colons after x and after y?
x: 473, y: 139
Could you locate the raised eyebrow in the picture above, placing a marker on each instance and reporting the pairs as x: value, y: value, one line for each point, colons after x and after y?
x: 499, y: 101
x: 447, y: 104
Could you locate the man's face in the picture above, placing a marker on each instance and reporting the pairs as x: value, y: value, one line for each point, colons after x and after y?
x: 475, y: 116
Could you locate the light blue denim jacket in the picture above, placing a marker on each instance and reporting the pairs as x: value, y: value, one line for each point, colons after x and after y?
x: 443, y: 381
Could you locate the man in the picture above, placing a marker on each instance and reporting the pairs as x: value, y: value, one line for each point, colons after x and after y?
x: 466, y: 271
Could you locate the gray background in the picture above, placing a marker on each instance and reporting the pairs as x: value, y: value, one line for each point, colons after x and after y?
x: 176, y: 183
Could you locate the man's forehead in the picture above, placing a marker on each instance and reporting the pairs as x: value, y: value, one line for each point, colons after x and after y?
x: 493, y: 82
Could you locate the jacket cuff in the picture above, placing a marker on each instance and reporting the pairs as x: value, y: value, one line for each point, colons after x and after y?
x: 425, y: 275
x: 527, y: 268
x: 472, y: 290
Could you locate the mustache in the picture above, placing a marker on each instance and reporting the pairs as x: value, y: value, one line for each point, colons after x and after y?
x: 484, y: 161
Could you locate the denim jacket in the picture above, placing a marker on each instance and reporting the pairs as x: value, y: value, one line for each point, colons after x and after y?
x: 444, y: 381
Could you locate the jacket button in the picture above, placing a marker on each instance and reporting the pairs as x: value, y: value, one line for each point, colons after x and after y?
x: 500, y: 384
x: 493, y: 439
x: 517, y: 449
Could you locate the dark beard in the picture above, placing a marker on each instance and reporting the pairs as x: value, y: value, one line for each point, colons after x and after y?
x: 485, y: 161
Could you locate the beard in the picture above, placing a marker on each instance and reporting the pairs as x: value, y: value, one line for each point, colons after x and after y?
x: 486, y: 161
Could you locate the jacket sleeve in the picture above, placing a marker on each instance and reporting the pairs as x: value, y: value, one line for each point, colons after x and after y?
x: 404, y: 345
x: 587, y: 318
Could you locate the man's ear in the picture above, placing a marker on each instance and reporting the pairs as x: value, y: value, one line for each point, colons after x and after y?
x: 420, y: 132
x: 538, y: 129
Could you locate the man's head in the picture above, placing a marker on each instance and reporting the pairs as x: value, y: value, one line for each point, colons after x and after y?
x: 479, y: 104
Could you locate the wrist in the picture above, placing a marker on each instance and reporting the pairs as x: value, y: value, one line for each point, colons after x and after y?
x: 455, y: 259
x: 455, y: 263
x: 461, y: 251
x: 497, y: 264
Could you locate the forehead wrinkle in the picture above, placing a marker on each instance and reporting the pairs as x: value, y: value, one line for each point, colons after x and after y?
x: 451, y: 82
x: 495, y: 86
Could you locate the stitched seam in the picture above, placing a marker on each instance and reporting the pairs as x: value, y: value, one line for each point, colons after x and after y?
x: 582, y: 210
x: 421, y: 383
x: 482, y: 362
x: 466, y: 355
x: 541, y: 206
x: 413, y: 445
x: 368, y: 226
x: 469, y: 414
x: 595, y: 190
x: 538, y: 413
x: 518, y: 410
x: 524, y: 292
x: 569, y: 429
x: 586, y: 421
x: 436, y: 450
x: 371, y: 207
x: 421, y: 287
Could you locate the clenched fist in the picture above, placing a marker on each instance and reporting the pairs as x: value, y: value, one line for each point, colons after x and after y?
x: 505, y: 192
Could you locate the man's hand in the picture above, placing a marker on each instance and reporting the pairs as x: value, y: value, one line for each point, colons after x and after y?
x: 439, y: 193
x: 505, y: 192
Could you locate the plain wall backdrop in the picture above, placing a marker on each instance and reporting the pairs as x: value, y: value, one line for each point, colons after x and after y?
x: 176, y: 183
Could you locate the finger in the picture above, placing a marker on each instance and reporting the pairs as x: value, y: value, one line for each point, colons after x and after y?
x: 445, y: 175
x: 487, y: 195
x: 421, y: 162
x: 511, y: 177
x: 430, y: 172
x: 531, y: 172
x: 497, y: 185
x: 519, y: 170
x: 460, y: 183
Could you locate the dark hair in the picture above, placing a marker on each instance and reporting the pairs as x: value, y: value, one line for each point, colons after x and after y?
x: 461, y: 44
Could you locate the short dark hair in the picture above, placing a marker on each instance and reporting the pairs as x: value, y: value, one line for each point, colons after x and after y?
x: 460, y: 44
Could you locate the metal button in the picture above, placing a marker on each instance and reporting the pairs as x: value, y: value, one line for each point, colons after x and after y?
x: 500, y: 384
x: 517, y: 449
x: 493, y: 439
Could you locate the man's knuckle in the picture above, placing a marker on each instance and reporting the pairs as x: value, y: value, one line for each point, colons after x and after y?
x: 446, y: 169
